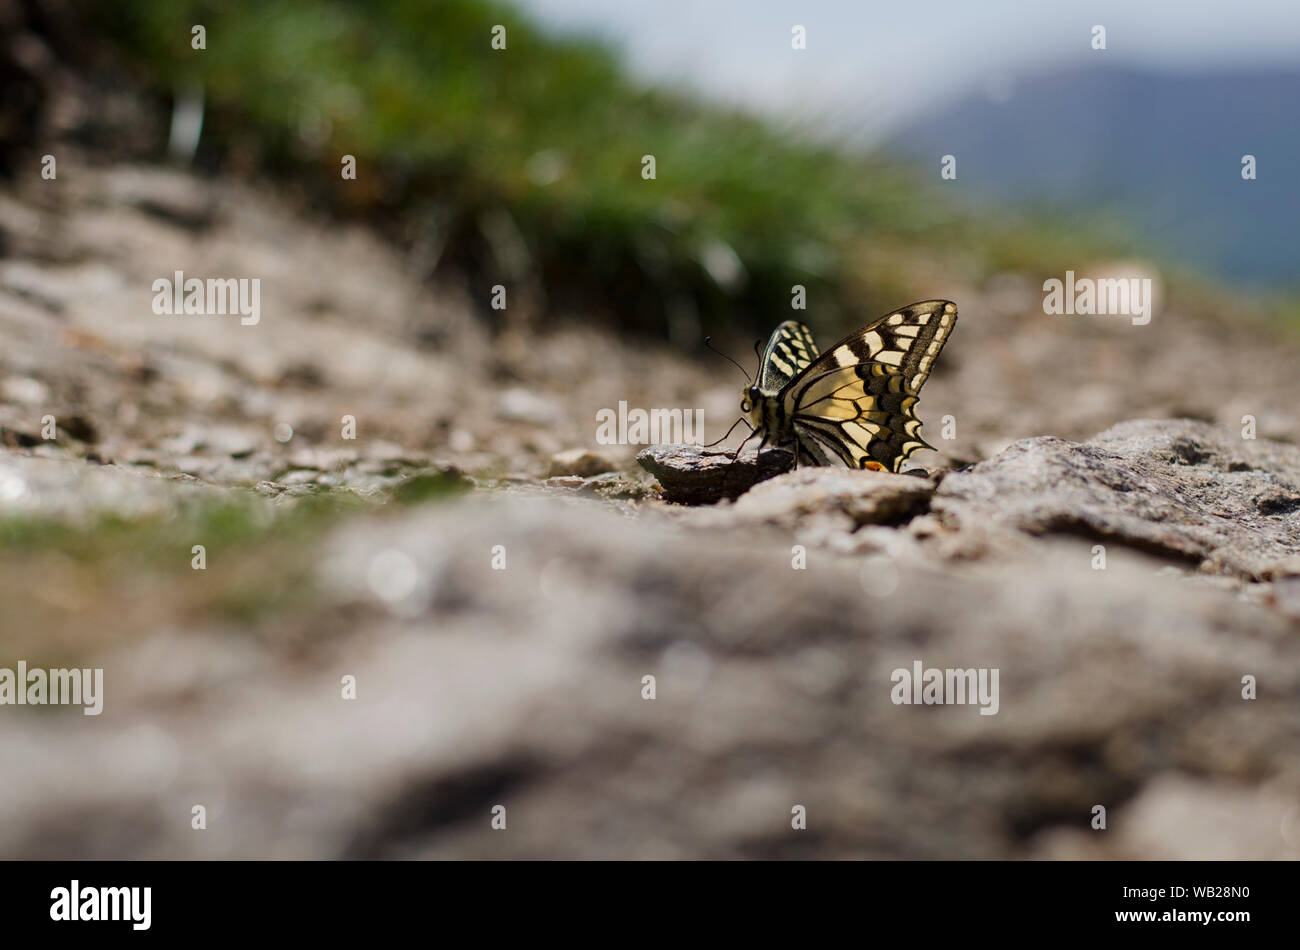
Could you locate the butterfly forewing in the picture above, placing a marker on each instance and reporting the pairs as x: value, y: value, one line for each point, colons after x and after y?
x: 790, y: 350
x: 855, y: 405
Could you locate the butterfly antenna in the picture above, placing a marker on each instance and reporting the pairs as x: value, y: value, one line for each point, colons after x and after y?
x: 742, y: 369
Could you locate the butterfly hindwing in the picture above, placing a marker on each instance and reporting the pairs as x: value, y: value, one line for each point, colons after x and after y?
x: 855, y: 405
x: 789, y: 351
x: 861, y: 416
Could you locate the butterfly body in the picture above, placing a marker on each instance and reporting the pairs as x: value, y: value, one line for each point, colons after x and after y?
x: 853, y: 405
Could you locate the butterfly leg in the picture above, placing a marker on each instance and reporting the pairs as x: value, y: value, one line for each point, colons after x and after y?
x: 726, y: 478
x: 709, y: 445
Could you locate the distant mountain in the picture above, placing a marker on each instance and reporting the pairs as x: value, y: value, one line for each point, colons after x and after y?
x: 1163, y: 149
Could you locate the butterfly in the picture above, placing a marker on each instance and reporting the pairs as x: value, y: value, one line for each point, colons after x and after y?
x: 853, y: 405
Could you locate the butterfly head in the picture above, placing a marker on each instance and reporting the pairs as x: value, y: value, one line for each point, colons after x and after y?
x: 750, y: 398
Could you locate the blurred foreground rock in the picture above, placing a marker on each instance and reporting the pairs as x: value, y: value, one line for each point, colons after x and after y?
x: 479, y: 686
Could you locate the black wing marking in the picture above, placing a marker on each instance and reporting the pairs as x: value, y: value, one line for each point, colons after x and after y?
x: 855, y: 405
x: 789, y: 351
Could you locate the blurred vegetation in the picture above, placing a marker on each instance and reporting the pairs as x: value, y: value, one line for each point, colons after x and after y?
x: 523, y: 166
x: 261, y: 554
x: 241, y: 524
x: 257, y: 567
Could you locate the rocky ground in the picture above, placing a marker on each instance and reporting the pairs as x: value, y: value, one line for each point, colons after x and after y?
x: 1122, y: 553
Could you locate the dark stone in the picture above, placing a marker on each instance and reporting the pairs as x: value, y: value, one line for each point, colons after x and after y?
x: 691, y: 475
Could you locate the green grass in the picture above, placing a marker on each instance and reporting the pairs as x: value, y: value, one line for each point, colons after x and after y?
x: 260, y: 554
x: 251, y: 526
x: 432, y: 486
x: 159, y: 539
x: 458, y: 144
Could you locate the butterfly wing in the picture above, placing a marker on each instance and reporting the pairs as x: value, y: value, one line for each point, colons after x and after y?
x: 790, y: 350
x: 855, y: 405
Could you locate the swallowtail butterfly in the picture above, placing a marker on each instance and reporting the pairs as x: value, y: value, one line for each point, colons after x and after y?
x: 855, y: 404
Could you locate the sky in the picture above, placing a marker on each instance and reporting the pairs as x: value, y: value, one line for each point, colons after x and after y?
x: 871, y: 66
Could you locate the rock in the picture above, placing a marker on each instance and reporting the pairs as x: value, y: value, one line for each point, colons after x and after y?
x: 24, y: 390
x: 232, y: 441
x: 322, y: 458
x: 864, y: 497
x: 1216, y: 821
x: 70, y: 488
x: 839, y: 510
x: 1182, y: 490
x: 524, y: 405
x: 692, y: 475
x: 580, y: 462
x: 616, y: 486
x: 79, y: 427
x: 299, y: 476
x: 19, y: 438
x: 170, y: 195
x: 479, y: 685
x: 564, y: 482
x: 1284, y: 594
